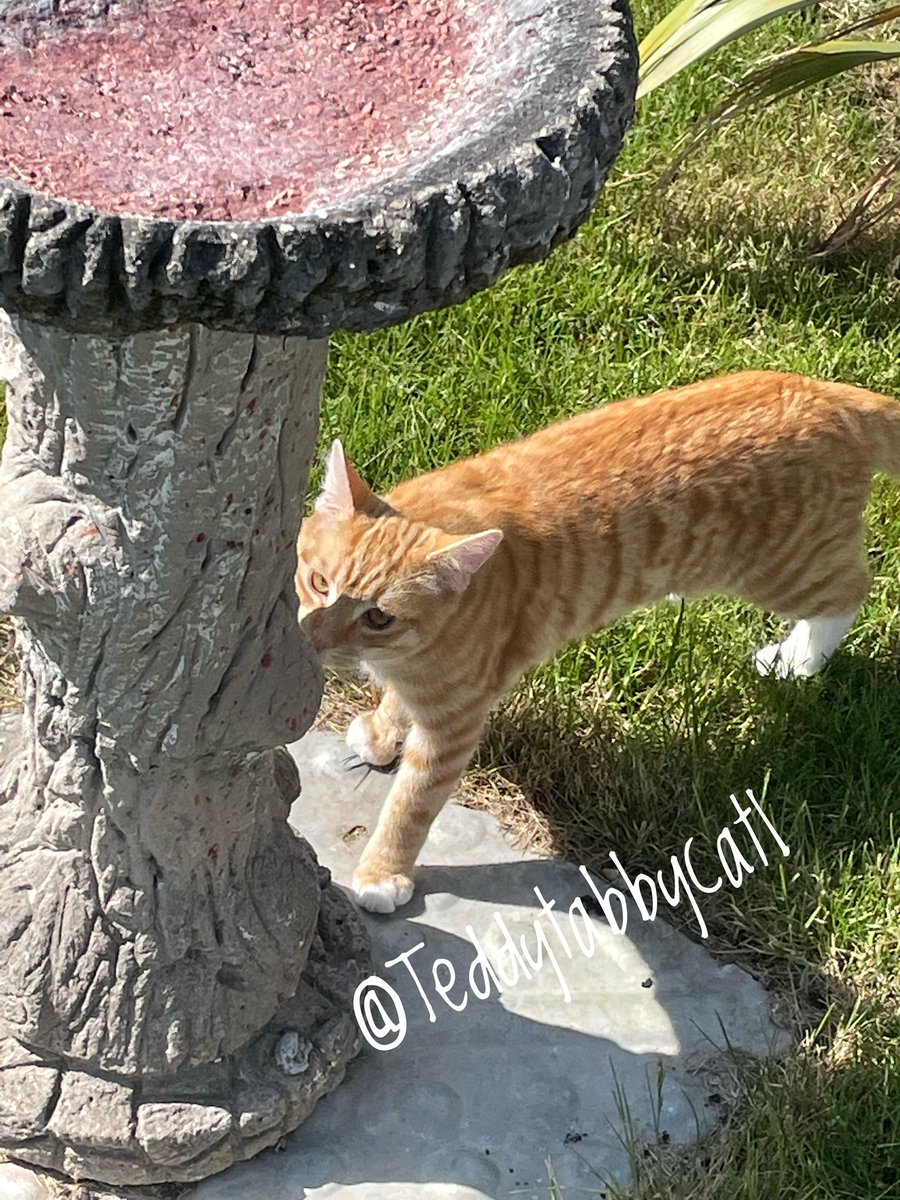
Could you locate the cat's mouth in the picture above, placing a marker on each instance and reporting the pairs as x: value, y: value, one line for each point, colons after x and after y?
x: 340, y: 661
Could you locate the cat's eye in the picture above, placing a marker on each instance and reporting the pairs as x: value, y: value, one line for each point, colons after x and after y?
x: 318, y: 583
x: 377, y: 618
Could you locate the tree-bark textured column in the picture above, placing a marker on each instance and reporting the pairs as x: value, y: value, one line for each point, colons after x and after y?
x: 175, y: 970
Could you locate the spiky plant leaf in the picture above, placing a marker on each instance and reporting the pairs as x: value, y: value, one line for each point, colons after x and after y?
x: 789, y: 73
x: 696, y: 28
x: 873, y: 204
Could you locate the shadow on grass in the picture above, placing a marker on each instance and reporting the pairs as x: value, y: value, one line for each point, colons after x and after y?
x: 823, y: 756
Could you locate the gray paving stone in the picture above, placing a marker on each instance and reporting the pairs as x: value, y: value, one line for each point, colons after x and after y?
x: 523, y: 1086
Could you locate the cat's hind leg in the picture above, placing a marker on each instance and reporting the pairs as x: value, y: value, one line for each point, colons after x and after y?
x: 377, y: 736
x: 806, y: 649
x: 812, y: 641
x: 821, y: 571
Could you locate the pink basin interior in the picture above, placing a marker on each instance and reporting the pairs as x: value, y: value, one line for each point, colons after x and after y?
x: 234, y: 109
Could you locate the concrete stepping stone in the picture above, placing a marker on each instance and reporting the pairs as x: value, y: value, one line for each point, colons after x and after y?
x: 492, y: 1094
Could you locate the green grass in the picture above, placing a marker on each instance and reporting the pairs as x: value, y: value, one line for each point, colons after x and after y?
x: 636, y: 739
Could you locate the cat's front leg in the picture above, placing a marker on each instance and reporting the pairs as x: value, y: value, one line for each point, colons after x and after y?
x: 377, y: 736
x: 433, y: 761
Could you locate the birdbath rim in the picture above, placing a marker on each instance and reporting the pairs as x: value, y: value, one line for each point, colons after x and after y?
x: 504, y: 188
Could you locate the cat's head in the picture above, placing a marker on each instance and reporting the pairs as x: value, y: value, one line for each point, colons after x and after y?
x: 371, y: 582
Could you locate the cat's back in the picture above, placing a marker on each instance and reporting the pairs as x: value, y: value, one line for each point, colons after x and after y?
x: 749, y: 413
x: 714, y: 429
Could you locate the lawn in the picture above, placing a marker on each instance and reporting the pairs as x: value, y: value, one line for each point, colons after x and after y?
x: 636, y: 739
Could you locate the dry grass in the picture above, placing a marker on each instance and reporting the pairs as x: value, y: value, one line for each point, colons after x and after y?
x: 9, y: 668
x: 885, y: 90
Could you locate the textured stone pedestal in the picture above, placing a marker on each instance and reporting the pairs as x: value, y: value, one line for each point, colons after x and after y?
x: 175, y: 970
x: 520, y: 1089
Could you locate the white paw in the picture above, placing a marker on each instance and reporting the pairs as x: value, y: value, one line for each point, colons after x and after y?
x: 806, y: 649
x: 385, y: 895
x: 767, y: 660
x: 777, y: 659
x: 357, y: 738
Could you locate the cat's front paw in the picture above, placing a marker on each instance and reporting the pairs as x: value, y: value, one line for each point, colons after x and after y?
x: 382, y: 894
x: 363, y: 739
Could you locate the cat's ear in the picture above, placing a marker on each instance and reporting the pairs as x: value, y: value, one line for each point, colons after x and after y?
x: 454, y: 563
x: 343, y: 492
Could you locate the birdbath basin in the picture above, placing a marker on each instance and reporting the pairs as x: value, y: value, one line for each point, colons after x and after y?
x: 181, y: 186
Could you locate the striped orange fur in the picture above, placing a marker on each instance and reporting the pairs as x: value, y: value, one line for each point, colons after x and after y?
x: 450, y: 587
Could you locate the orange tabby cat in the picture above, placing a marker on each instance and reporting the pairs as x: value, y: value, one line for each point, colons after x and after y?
x: 446, y: 590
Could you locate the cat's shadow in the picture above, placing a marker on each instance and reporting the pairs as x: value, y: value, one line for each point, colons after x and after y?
x: 485, y: 1098
x: 825, y: 754
x: 803, y: 735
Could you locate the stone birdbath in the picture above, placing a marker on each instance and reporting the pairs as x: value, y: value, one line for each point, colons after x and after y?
x: 193, y: 197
